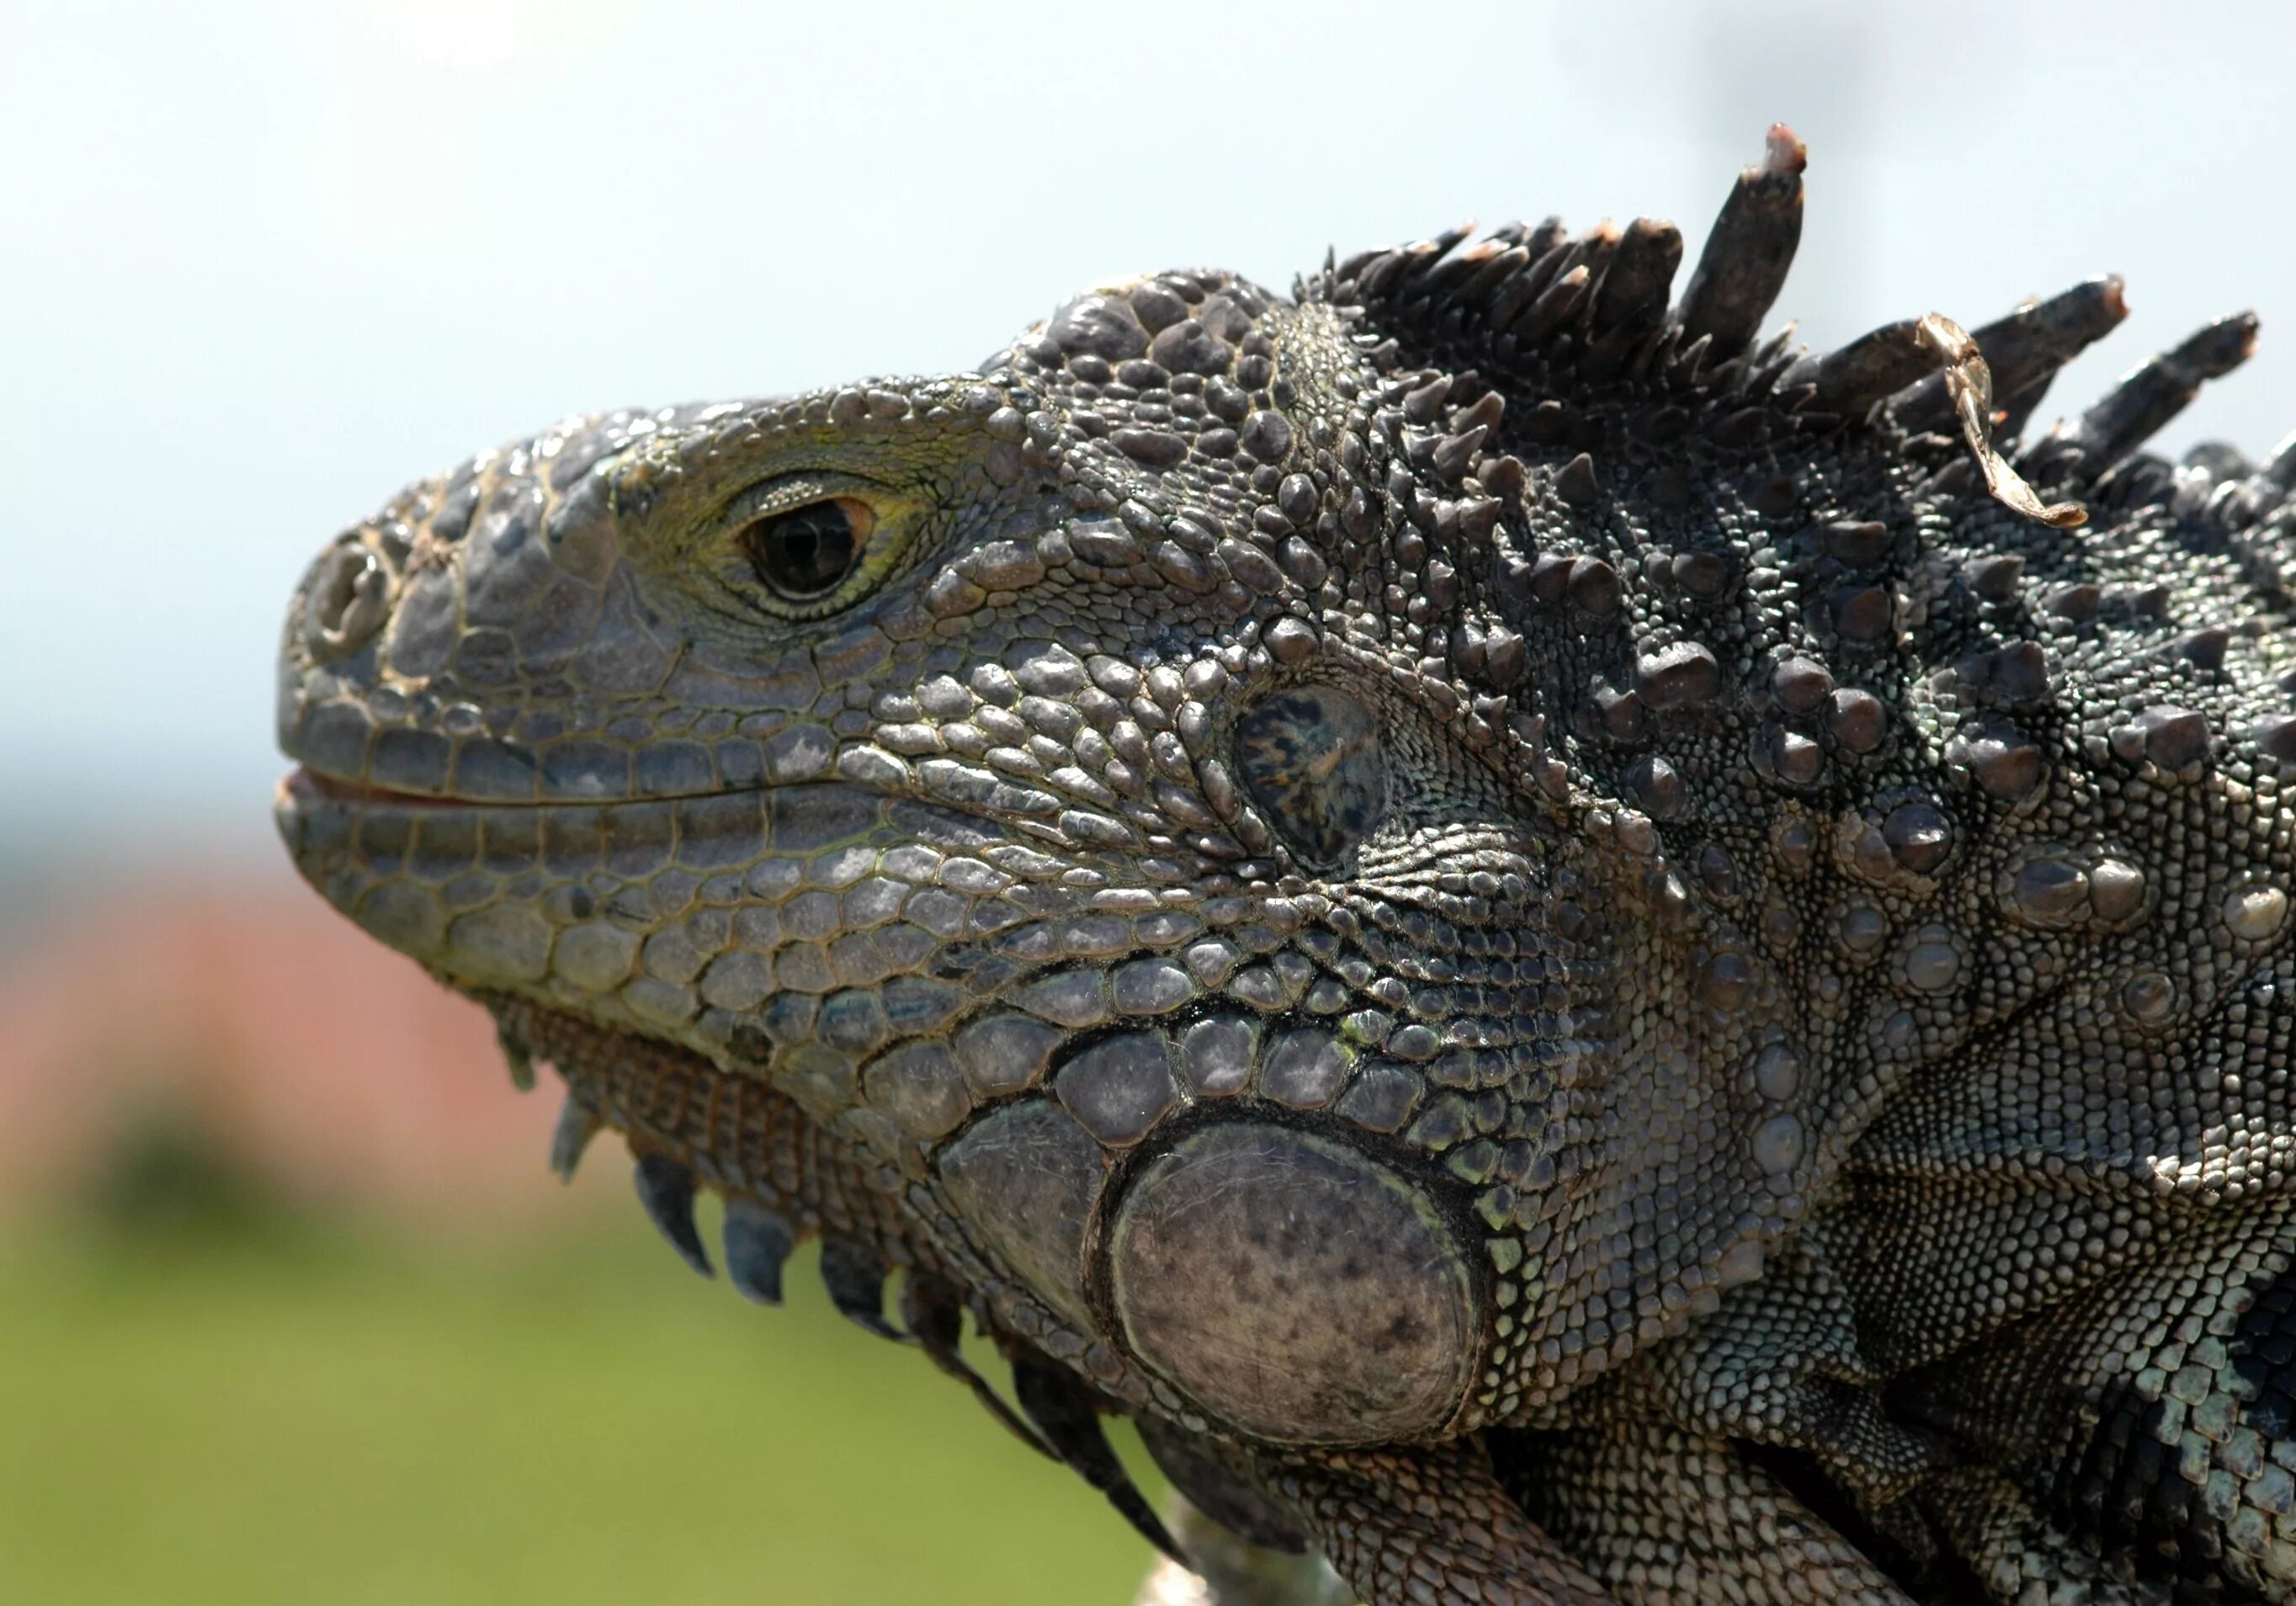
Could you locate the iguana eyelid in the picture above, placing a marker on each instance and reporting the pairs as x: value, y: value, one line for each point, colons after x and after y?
x: 794, y: 488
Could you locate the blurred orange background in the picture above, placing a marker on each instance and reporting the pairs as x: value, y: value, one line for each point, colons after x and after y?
x: 240, y: 1006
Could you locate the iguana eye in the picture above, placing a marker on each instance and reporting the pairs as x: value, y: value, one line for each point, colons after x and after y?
x: 803, y: 553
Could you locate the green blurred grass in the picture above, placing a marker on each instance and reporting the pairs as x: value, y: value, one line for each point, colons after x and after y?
x: 249, y: 1409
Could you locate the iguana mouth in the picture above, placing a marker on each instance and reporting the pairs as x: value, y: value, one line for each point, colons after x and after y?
x: 305, y: 781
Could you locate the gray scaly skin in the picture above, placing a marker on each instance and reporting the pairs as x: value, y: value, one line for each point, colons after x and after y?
x: 1583, y: 958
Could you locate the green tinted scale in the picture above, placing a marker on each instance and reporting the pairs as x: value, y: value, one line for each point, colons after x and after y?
x: 1580, y: 955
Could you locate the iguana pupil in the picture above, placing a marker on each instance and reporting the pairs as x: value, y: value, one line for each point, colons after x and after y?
x: 805, y: 552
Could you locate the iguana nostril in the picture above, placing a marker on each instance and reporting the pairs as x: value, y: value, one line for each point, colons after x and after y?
x: 349, y: 598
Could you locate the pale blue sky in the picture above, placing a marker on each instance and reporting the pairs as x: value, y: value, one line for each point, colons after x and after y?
x: 261, y: 264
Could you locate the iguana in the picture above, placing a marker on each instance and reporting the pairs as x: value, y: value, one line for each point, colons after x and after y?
x: 1581, y: 956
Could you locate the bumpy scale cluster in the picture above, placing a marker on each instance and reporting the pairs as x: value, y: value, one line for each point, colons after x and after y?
x: 1577, y: 954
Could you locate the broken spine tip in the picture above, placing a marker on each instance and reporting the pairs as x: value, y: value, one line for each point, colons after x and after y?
x: 571, y: 1135
x: 1783, y: 153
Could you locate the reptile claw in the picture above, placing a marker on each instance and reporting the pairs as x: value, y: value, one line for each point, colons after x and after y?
x: 1064, y: 1410
x: 518, y: 1057
x: 757, y: 1242
x: 573, y: 1135
x: 855, y: 1280
x: 933, y: 1309
x: 1220, y: 1485
x: 665, y: 1190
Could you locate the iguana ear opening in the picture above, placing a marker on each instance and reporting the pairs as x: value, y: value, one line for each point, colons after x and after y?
x: 1311, y: 757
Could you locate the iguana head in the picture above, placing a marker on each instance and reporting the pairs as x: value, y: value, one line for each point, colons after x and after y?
x: 1331, y: 866
x: 1045, y: 779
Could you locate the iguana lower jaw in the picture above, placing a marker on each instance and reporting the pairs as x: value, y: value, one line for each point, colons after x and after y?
x: 1364, y: 1251
x: 1577, y: 951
